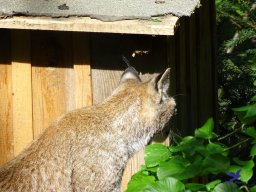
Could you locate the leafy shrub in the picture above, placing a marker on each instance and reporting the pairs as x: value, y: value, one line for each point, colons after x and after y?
x: 236, y: 32
x: 173, y: 168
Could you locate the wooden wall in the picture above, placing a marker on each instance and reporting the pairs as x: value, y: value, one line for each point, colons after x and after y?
x: 44, y: 74
x: 192, y: 57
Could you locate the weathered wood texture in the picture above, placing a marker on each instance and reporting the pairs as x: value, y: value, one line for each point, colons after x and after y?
x: 86, y: 24
x: 6, y: 103
x: 42, y: 75
x: 21, y: 90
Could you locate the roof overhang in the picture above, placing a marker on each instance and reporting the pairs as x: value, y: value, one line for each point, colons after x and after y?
x: 155, y: 26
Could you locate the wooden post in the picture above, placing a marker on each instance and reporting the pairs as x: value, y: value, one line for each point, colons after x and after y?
x: 82, y: 70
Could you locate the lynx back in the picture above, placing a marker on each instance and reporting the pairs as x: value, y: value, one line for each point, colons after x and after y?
x: 87, y: 149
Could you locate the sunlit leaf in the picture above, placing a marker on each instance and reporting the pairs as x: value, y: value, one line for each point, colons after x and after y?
x: 211, y: 185
x: 246, y: 168
x: 139, y: 181
x: 253, y: 150
x: 227, y: 187
x: 172, y: 168
x: 168, y: 184
x: 156, y: 153
x: 206, y: 131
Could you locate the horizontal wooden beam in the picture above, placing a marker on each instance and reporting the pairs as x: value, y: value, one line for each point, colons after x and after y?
x: 155, y: 26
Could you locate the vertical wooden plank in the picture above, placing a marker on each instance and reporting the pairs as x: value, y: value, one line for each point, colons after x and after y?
x: 172, y: 63
x: 213, y: 40
x: 52, y: 77
x: 193, y: 65
x: 6, y: 132
x: 182, y: 79
x: 21, y: 88
x: 206, y: 70
x: 82, y: 70
x: 104, y: 83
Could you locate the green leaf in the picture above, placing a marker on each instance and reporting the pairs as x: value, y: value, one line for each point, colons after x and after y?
x: 251, y: 112
x: 227, y: 187
x: 247, y: 171
x: 156, y: 153
x: 168, y: 184
x: 251, y: 132
x: 195, y: 186
x: 206, y: 131
x: 253, y: 189
x: 211, y: 185
x: 172, y: 168
x: 246, y: 168
x: 253, y: 150
x: 192, y: 170
x: 253, y: 98
x: 246, y: 114
x: 213, y: 148
x: 239, y: 12
x: 139, y: 181
x: 239, y: 162
x: 215, y: 163
x: 189, y: 145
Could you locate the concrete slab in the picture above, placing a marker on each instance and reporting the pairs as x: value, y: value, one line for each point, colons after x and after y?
x: 105, y: 10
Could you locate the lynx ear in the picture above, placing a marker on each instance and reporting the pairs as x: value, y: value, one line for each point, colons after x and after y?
x: 130, y: 74
x: 163, y: 83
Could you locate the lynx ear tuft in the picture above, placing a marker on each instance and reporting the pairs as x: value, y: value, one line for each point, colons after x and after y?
x: 130, y: 74
x: 163, y: 84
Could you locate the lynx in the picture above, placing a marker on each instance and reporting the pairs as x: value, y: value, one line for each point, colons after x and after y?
x: 87, y: 149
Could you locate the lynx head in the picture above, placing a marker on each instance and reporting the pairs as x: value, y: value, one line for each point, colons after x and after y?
x: 153, y: 103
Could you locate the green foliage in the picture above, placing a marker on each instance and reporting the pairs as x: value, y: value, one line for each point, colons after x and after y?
x: 171, y: 168
x: 155, y: 154
x: 167, y: 184
x: 226, y: 187
x: 206, y: 132
x: 246, y: 114
x: 236, y: 32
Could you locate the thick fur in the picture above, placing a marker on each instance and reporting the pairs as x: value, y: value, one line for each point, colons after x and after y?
x: 87, y: 149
